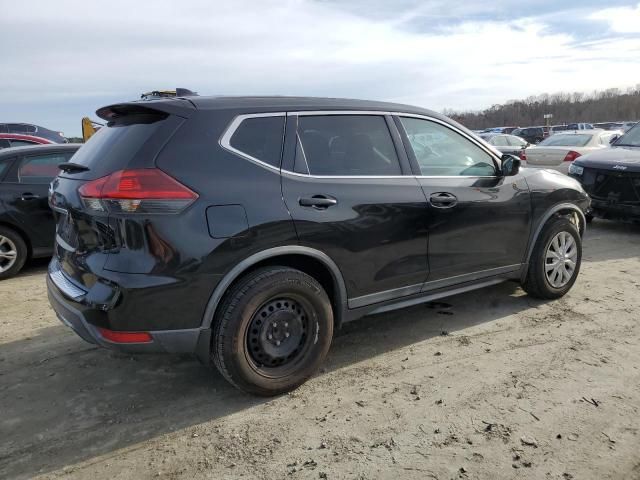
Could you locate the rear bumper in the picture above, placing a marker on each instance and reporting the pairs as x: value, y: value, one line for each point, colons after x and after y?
x: 79, y: 318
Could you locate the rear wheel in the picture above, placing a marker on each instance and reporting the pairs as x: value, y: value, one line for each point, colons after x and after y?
x: 273, y: 331
x: 555, y: 261
x: 13, y: 252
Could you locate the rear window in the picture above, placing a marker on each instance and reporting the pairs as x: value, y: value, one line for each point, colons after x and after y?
x: 260, y: 138
x: 566, y: 141
x: 115, y: 145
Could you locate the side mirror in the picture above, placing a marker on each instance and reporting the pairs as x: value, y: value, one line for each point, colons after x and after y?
x: 510, y: 165
x: 613, y: 139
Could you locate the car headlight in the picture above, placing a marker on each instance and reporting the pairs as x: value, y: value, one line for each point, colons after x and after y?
x: 575, y: 169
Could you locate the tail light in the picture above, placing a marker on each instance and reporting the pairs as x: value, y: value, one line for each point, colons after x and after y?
x: 523, y: 155
x: 571, y: 156
x: 146, y: 190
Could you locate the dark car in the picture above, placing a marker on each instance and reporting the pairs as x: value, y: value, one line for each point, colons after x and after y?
x: 532, y: 134
x: 246, y: 230
x: 8, y: 140
x: 611, y: 177
x: 33, y: 130
x: 507, y: 143
x: 27, y: 228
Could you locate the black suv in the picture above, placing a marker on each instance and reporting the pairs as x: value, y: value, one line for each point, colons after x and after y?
x: 27, y: 227
x: 532, y: 134
x: 246, y: 230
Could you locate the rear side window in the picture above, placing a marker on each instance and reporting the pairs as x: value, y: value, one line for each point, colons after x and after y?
x: 41, y: 169
x: 260, y: 138
x: 345, y: 145
x: 21, y: 143
x: 4, y: 143
x: 499, y: 141
x: 4, y: 165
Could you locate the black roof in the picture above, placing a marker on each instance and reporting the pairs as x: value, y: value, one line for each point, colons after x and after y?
x: 43, y: 148
x: 263, y: 104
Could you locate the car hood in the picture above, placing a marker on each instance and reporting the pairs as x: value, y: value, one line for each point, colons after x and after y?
x: 621, y: 159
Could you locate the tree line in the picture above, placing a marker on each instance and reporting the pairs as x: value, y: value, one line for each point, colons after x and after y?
x: 600, y: 106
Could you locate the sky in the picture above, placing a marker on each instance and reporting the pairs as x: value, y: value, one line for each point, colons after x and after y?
x: 63, y: 60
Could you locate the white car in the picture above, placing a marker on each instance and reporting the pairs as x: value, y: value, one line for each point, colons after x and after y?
x: 558, y: 151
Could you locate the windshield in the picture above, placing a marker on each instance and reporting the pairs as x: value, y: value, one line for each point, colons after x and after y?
x: 631, y: 138
x: 579, y: 140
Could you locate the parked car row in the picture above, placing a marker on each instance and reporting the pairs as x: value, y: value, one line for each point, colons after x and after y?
x: 34, y: 131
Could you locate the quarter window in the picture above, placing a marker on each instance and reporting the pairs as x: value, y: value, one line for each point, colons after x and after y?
x: 346, y: 145
x: 260, y: 138
x: 41, y: 169
x: 440, y: 151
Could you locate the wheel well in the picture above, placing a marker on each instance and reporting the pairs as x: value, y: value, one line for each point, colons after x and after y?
x: 312, y: 267
x: 24, y: 236
x: 571, y: 215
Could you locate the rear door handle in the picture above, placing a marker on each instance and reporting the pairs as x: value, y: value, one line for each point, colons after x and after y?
x: 443, y: 200
x: 29, y: 196
x: 320, y: 202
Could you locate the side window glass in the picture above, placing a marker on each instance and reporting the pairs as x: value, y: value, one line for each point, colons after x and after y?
x: 4, y: 143
x: 442, y: 152
x: 346, y: 145
x: 21, y: 143
x: 260, y: 138
x: 41, y: 169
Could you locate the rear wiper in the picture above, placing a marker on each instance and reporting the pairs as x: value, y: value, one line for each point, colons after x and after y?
x: 70, y: 167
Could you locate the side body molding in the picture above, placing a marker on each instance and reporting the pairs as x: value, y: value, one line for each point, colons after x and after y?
x: 543, y: 220
x: 241, y: 267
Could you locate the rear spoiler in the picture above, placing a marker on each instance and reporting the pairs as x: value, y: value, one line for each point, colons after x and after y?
x: 180, y: 107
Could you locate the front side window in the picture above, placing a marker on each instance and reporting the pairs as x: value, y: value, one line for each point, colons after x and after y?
x: 260, y: 138
x: 346, y: 145
x: 4, y: 164
x: 579, y: 140
x: 631, y: 138
x: 41, y: 169
x: 441, y: 151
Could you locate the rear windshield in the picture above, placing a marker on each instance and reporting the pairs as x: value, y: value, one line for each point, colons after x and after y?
x: 566, y: 141
x: 113, y: 146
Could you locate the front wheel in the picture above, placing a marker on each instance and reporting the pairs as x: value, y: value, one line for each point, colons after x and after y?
x: 555, y: 261
x: 272, y: 331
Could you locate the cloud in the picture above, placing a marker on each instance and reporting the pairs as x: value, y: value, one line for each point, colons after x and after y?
x: 65, y: 64
x: 620, y: 19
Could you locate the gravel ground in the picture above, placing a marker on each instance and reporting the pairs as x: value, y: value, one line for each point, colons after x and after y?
x: 489, y: 384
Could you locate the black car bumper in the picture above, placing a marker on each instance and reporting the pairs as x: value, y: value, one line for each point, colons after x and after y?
x: 82, y: 319
x: 605, y: 209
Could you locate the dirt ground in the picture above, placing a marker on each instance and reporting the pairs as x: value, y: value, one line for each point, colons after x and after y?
x: 491, y: 384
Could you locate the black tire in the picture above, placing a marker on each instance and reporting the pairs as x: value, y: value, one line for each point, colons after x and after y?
x: 22, y: 252
x: 536, y: 283
x: 244, y: 344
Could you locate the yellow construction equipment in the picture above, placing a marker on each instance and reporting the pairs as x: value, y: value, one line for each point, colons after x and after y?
x: 89, y: 127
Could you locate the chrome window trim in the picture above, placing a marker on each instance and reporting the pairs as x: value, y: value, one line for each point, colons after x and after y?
x: 225, y: 140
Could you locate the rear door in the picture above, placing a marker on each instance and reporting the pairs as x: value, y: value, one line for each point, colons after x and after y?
x: 478, y: 221
x: 349, y: 188
x: 26, y: 189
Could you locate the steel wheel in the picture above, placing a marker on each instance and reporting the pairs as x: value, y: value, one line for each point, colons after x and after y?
x: 560, y: 259
x: 8, y: 253
x: 278, y: 335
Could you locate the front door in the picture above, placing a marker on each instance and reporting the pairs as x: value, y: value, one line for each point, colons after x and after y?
x: 351, y: 194
x: 478, y: 220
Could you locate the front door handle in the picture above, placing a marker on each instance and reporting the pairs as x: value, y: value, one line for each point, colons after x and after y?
x: 320, y: 202
x: 443, y: 200
x: 29, y: 196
